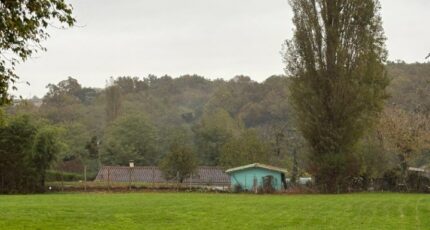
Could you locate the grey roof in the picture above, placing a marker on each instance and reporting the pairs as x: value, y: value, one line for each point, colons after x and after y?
x: 205, y: 175
x: 423, y: 170
x: 257, y: 165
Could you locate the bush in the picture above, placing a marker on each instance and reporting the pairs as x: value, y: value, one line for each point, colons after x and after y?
x: 56, y: 176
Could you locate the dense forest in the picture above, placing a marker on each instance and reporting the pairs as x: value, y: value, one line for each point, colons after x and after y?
x: 226, y: 123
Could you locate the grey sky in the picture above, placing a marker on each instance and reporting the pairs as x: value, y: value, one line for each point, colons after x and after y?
x: 213, y: 38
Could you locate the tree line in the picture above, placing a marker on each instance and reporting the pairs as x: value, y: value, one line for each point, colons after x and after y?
x: 154, y: 120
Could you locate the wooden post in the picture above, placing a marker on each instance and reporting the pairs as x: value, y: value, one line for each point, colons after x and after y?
x: 177, y: 179
x: 62, y: 181
x: 153, y: 177
x: 108, y: 179
x: 85, y: 178
x: 2, y: 183
x: 129, y: 178
x: 191, y: 178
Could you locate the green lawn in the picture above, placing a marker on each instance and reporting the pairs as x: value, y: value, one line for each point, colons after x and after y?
x: 214, y: 211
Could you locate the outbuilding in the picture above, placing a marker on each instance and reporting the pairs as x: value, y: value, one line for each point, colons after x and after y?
x: 257, y: 177
x: 204, y: 176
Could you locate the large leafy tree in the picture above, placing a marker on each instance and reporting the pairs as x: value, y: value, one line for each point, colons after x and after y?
x: 246, y: 149
x: 336, y: 60
x: 212, y: 132
x: 23, y: 26
x: 26, y: 150
x: 181, y: 161
x: 130, y: 137
x: 46, y: 147
x: 75, y: 135
x: 63, y: 101
x: 16, y: 140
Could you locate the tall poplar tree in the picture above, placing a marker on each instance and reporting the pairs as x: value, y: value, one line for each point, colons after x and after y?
x: 113, y: 102
x: 336, y: 62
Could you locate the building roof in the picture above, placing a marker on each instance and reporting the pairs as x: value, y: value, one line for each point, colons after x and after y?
x: 416, y: 169
x: 257, y: 165
x: 205, y: 175
x: 423, y: 171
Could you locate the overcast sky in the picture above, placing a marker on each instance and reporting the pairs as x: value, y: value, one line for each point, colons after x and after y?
x: 213, y: 38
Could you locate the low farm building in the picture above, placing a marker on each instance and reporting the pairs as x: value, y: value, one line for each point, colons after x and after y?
x: 204, y: 175
x: 254, y: 177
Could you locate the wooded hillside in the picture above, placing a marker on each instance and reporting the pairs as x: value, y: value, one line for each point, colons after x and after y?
x: 224, y: 123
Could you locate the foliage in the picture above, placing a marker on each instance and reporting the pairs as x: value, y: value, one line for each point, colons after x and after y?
x: 246, y: 149
x: 213, y: 131
x: 23, y: 26
x: 75, y: 135
x: 410, y: 86
x: 187, y: 102
x: 113, y: 102
x: 46, y: 146
x: 336, y: 61
x: 373, y: 157
x: 26, y: 151
x: 93, y: 148
x: 52, y: 175
x: 64, y: 102
x: 16, y: 167
x: 181, y: 161
x: 130, y: 137
x: 209, y: 115
x: 405, y: 134
x: 56, y: 93
x: 2, y: 117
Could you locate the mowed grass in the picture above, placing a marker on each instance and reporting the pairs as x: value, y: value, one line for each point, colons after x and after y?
x: 214, y: 211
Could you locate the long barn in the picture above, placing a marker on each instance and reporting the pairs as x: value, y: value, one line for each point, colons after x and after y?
x: 204, y: 176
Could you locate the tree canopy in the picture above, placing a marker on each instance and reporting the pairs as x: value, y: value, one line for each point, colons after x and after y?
x: 27, y: 150
x: 156, y: 110
x: 336, y: 61
x: 23, y: 26
x: 181, y: 161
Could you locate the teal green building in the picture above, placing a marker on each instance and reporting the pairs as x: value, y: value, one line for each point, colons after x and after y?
x: 257, y: 177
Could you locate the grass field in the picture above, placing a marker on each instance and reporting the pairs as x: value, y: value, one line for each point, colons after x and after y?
x: 214, y: 211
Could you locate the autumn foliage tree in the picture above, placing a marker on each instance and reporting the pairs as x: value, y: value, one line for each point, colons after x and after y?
x: 405, y: 134
x: 336, y: 62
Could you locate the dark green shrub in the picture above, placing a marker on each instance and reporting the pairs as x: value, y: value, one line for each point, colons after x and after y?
x: 66, y: 176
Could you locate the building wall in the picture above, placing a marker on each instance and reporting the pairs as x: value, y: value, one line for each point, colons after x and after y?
x: 246, y: 178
